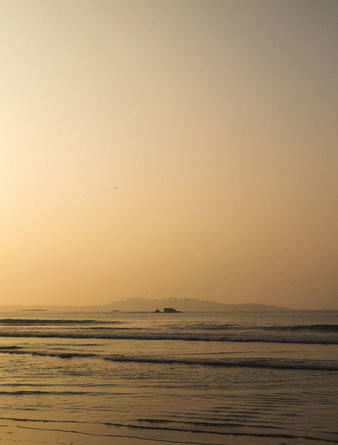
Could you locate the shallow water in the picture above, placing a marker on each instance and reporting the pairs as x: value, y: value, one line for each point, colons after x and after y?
x: 187, y: 378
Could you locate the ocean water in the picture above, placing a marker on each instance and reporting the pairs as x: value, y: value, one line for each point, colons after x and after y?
x: 193, y: 378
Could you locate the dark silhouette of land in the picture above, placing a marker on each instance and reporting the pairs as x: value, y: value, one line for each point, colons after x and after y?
x: 150, y: 305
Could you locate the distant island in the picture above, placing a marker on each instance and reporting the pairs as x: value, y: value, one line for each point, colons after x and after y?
x: 167, y: 310
x: 34, y: 310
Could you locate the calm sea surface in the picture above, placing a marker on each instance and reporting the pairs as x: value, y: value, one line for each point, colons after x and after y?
x: 206, y: 378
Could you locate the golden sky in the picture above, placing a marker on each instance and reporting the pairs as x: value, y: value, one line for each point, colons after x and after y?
x: 156, y: 148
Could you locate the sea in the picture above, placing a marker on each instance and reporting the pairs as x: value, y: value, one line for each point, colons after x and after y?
x: 183, y: 378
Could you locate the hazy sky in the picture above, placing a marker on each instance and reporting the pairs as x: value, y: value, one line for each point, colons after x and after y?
x: 215, y: 120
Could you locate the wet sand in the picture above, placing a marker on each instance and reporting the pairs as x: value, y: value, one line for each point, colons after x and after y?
x: 40, y: 433
x: 20, y: 433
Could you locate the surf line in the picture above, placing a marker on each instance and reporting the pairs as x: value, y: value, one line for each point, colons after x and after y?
x: 116, y: 435
x: 276, y: 436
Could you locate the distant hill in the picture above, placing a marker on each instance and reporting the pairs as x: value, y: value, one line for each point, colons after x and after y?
x: 187, y: 305
x: 149, y: 305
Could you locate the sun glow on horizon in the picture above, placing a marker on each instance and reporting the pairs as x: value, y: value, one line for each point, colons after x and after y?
x: 169, y: 148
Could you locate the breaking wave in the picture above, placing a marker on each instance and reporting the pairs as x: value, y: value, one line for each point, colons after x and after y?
x: 51, y: 322
x: 118, y: 334
x: 311, y: 327
x: 226, y: 327
x: 44, y: 393
x: 314, y: 365
x: 269, y: 363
